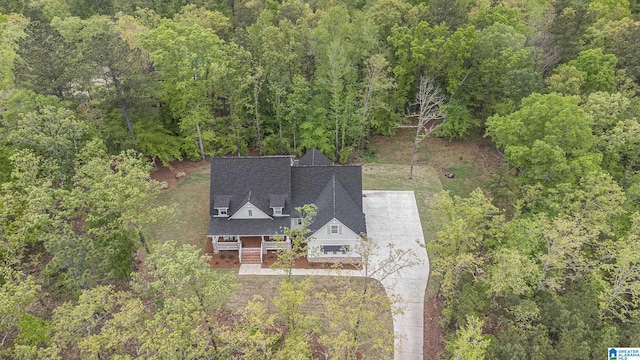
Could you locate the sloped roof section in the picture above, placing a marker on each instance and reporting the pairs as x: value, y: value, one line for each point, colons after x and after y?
x: 334, y: 202
x: 315, y: 158
x: 253, y: 179
x: 221, y: 201
x: 277, y: 201
x: 279, y: 181
x: 308, y: 181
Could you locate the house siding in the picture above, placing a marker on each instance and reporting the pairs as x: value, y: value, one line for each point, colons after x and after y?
x: 243, y: 213
x: 324, y: 237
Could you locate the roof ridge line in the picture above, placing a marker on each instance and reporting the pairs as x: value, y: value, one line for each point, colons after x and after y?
x: 334, y: 196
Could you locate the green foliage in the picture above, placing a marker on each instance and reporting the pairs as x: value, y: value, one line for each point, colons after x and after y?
x: 297, y: 240
x: 183, y: 279
x: 460, y: 123
x: 556, y: 277
x: 11, y: 31
x: 106, y: 209
x: 599, y: 70
x: 255, y: 337
x: 549, y: 139
x: 25, y: 205
x: 17, y: 292
x: 469, y: 342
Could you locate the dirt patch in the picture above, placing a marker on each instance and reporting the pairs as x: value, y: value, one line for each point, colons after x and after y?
x: 168, y: 173
x: 303, y: 263
x: 433, y: 333
x: 441, y: 154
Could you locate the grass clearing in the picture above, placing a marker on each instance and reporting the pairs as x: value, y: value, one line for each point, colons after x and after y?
x: 425, y: 184
x: 190, y: 222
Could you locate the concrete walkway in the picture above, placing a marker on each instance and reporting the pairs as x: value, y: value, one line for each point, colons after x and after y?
x: 392, y: 218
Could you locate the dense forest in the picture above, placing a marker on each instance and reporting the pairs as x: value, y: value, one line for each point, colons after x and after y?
x: 94, y: 93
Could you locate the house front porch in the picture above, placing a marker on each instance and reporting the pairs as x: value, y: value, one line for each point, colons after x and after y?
x: 250, y: 249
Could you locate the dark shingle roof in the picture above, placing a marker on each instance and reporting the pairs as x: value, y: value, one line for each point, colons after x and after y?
x: 221, y: 201
x: 308, y: 181
x: 276, y: 201
x: 253, y: 179
x: 248, y: 227
x: 277, y: 181
x: 334, y: 202
x: 314, y: 157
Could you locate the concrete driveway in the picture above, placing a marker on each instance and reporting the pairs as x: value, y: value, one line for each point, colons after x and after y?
x: 392, y: 217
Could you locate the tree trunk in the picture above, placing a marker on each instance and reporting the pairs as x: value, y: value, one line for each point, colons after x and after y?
x: 415, y: 150
x: 235, y: 127
x: 337, y: 143
x: 256, y: 95
x: 116, y: 83
x: 295, y: 131
x: 201, y: 147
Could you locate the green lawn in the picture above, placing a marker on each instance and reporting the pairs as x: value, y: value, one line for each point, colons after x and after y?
x: 190, y: 222
x: 425, y: 184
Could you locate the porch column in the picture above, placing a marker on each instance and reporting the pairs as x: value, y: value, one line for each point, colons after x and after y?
x: 263, y: 245
x: 288, y: 242
x: 214, y: 243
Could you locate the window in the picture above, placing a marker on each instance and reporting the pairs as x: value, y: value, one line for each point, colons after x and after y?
x: 335, y: 229
x: 277, y: 211
x: 299, y: 221
x: 335, y: 249
x: 222, y: 212
x: 249, y: 212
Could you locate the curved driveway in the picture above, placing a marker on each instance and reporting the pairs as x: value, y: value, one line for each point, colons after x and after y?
x: 392, y: 217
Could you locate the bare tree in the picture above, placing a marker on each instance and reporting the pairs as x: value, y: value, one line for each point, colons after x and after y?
x: 429, y: 100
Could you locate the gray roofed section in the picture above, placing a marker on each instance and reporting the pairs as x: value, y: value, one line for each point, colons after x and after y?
x: 252, y: 179
x: 308, y: 181
x: 314, y: 157
x: 221, y: 201
x: 278, y: 181
x: 248, y: 227
x: 334, y: 202
x: 277, y: 201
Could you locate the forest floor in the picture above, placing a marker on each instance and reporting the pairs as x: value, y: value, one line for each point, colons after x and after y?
x: 471, y: 162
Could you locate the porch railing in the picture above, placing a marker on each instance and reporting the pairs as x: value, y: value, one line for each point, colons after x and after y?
x: 275, y: 245
x: 229, y: 245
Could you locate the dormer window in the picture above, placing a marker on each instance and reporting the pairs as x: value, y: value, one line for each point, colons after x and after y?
x: 277, y: 211
x: 249, y: 212
x: 221, y: 205
x: 222, y: 212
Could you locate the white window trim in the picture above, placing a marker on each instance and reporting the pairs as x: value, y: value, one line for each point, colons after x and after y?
x: 222, y: 212
x: 343, y: 249
x: 336, y: 227
x: 277, y: 211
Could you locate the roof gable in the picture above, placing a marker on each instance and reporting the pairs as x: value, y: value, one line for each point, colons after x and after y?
x: 308, y: 181
x: 335, y: 203
x: 315, y: 158
x: 249, y: 211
